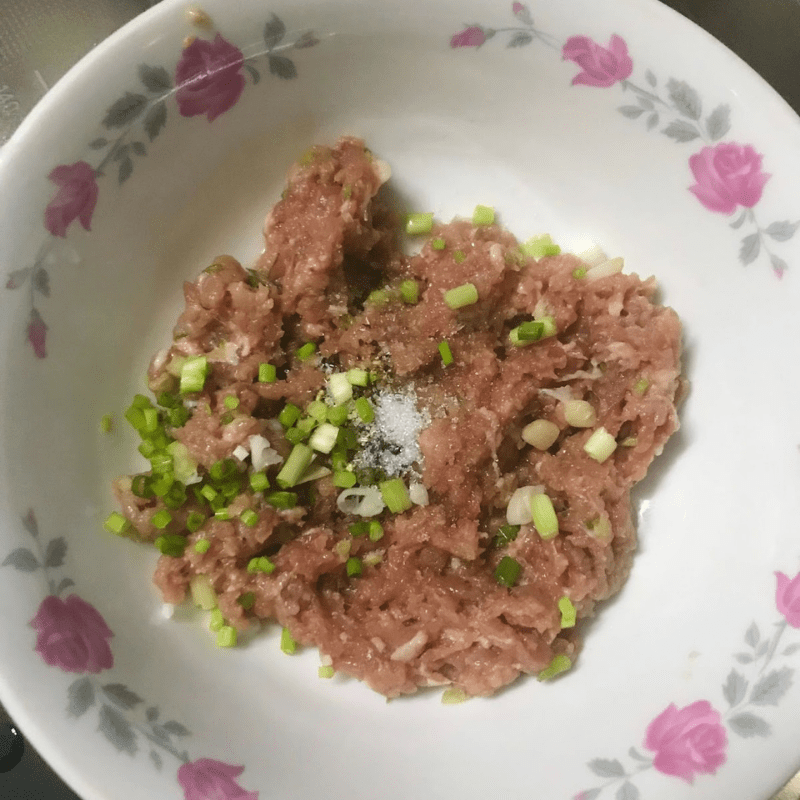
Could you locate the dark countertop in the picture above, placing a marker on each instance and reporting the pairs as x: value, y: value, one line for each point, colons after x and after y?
x: 765, y: 33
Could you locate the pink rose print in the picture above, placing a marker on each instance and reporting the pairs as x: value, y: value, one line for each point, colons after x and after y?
x: 207, y: 779
x: 602, y: 66
x: 688, y: 741
x: 37, y: 334
x: 469, y: 37
x: 72, y: 635
x: 209, y: 78
x: 787, y: 598
x: 75, y: 199
x: 518, y: 9
x: 727, y: 175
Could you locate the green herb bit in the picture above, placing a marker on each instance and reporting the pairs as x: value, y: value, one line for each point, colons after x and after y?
x: 395, y: 495
x: 193, y: 374
x: 226, y: 418
x: 550, y: 328
x: 259, y: 481
x: 342, y: 548
x: 161, y: 519
x: 600, y: 445
x: 359, y: 528
x: 344, y: 479
x: 483, y: 215
x: 249, y: 517
x: 306, y: 352
x: 282, y: 500
x: 375, y: 531
x: 226, y: 636
x: 354, y: 567
x: 290, y: 414
x: 216, y: 621
x: 630, y: 441
x: 162, y: 484
x: 347, y: 438
x: 506, y: 534
x: 579, y: 272
x: 288, y: 644
x: 340, y: 388
x: 317, y: 410
x: 358, y: 377
x: 176, y: 496
x: 201, y: 545
x: 260, y: 564
x: 641, y: 386
x: 507, y: 571
x: 223, y: 514
x: 540, y: 246
x: 337, y: 415
x: 409, y: 291
x: 347, y: 191
x: 247, y: 600
x: 116, y: 523
x: 453, y: 695
x: 231, y: 402
x: 107, y: 423
x: 326, y: 671
x: 568, y: 613
x: 223, y: 469
x: 167, y: 400
x: 208, y: 492
x: 171, y: 544
x: 141, y: 401
x: 419, y: 223
x: 295, y: 436
x: 379, y: 297
x: 135, y: 417
x: 324, y: 438
x: 141, y: 486
x: 267, y: 373
x: 203, y: 593
x: 194, y: 522
x: 460, y: 296
x: 559, y: 664
x: 438, y: 244
x: 294, y: 466
x: 544, y: 516
x: 459, y: 256
x: 446, y: 353
x: 178, y: 417
x: 364, y: 409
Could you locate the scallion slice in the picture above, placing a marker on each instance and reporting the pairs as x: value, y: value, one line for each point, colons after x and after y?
x: 344, y: 479
x: 438, y: 244
x: 202, y: 592
x: 364, y: 409
x: 544, y: 516
x: 446, y: 353
x: 326, y: 671
x: 600, y: 445
x: 289, y: 415
x: 324, y: 438
x: 249, y: 517
x: 568, y: 613
x: 409, y: 291
x: 337, y: 415
x: 294, y: 466
x: 418, y: 223
x: 559, y: 664
x: 194, y: 522
x: 506, y: 534
x: 226, y: 636
x: 395, y: 495
x: 460, y: 296
x: 216, y: 621
x: 231, y: 402
x: 193, y: 374
x: 201, y: 546
x: 306, y: 352
x: 247, y: 600
x: 317, y: 410
x: 375, y: 530
x: 358, y: 377
x: 288, y: 644
x: 267, y: 373
x: 483, y: 215
x: 161, y: 519
x: 171, y: 544
x: 354, y: 567
x: 340, y: 388
x: 116, y: 523
x: 507, y: 571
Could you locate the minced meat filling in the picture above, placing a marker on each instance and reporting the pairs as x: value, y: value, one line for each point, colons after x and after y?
x: 325, y: 400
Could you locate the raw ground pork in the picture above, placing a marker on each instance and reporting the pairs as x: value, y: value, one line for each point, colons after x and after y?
x: 427, y: 609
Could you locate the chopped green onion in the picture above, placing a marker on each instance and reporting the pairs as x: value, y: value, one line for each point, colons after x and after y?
x: 167, y: 400
x: 340, y: 388
x: 314, y: 473
x: 550, y: 328
x: 353, y: 567
x: 446, y: 353
x: 506, y: 534
x: 226, y: 636
x: 540, y: 246
x: 559, y: 664
x: 640, y: 387
x: 161, y: 463
x: 540, y: 433
x: 324, y: 438
x: 344, y: 479
x: 170, y: 544
x: 203, y: 592
x: 579, y: 272
x: 106, y: 423
x: 162, y: 484
x: 223, y: 469
x: 226, y: 418
x: 507, y: 571
x: 179, y: 416
x: 161, y: 519
x: 395, y: 495
x: 579, y: 414
x: 380, y: 297
x: 294, y: 466
x: 135, y: 416
x: 599, y: 527
x: 459, y: 256
x: 283, y: 500
x: 358, y: 377
x: 176, y: 496
x: 438, y: 244
x: 306, y: 352
x: 409, y: 291
x: 337, y: 415
x: 209, y: 492
x: 364, y: 410
x: 359, y: 528
x: 223, y: 514
x: 600, y: 445
x: 249, y: 517
x: 460, y: 296
x: 259, y: 481
x: 418, y: 223
x: 342, y: 548
x: 373, y: 559
x: 183, y: 465
x: 453, y: 695
x: 141, y: 486
x: 288, y: 644
x: 231, y: 402
x: 375, y: 531
x: 630, y: 441
x: 247, y: 600
x: 526, y: 333
x: 201, y: 545
x: 260, y: 564
x: 216, y: 621
x: 193, y: 374
x: 295, y: 436
x: 544, y: 516
x: 267, y: 373
x: 116, y: 523
x: 568, y: 613
x: 326, y: 671
x: 141, y: 401
x: 290, y: 414
x: 483, y: 215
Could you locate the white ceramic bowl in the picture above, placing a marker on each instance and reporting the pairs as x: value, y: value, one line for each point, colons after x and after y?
x: 613, y: 121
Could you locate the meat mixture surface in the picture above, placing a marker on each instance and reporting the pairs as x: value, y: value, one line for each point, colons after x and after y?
x: 420, y: 465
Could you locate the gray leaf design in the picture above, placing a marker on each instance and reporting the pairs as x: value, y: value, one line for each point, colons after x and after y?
x: 65, y: 584
x: 56, y: 550
x: 652, y: 121
x: 520, y: 39
x: 155, y: 119
x: 139, y: 149
x: 735, y: 688
x: 681, y: 131
x: 151, y: 715
x: 18, y: 277
x: 125, y: 110
x: 782, y: 231
x: 634, y: 753
x: 125, y: 169
x: 650, y: 77
x: 30, y: 523
x: 156, y: 759
x: 176, y: 728
x: 751, y: 247
x: 791, y: 649
x: 274, y: 31
x: 80, y: 694
x: 685, y: 98
x: 739, y: 221
x: 160, y: 733
x: 627, y: 792
x: 631, y: 112
x: 645, y: 103
x: 607, y: 768
x: 22, y: 559
x: 99, y: 143
x: 155, y: 79
x: 772, y: 687
x: 778, y: 264
x: 41, y: 282
x: 121, y: 695
x: 762, y: 649
x: 282, y: 67
x: 117, y: 730
x: 719, y: 122
x: 306, y: 40
x: 752, y: 635
x: 523, y: 14
x: 254, y: 73
x: 744, y: 658
x: 120, y: 152
x: 748, y: 725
